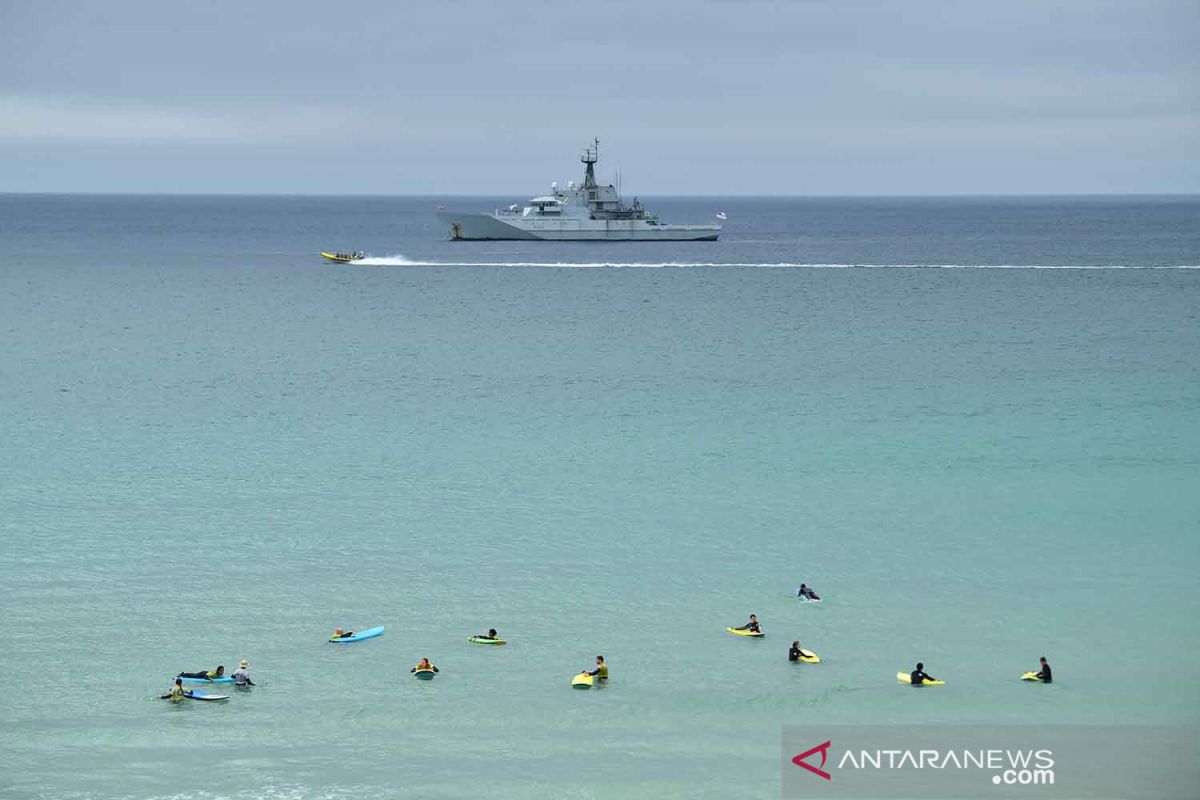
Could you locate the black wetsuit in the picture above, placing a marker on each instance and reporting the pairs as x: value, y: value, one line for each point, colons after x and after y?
x: 794, y: 654
x: 918, y: 677
x: 1045, y: 674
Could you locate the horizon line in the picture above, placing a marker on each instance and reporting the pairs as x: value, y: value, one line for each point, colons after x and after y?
x: 737, y: 195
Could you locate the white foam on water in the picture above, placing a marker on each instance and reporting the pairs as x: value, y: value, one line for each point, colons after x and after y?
x: 401, y: 261
x: 396, y: 260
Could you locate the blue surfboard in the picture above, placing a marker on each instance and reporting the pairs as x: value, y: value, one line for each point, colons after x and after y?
x: 369, y: 633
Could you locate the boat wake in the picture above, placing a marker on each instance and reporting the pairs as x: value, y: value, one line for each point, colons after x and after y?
x: 402, y: 261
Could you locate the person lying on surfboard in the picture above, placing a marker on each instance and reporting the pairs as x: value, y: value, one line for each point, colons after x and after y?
x: 491, y: 634
x: 424, y: 665
x: 805, y: 591
x: 207, y: 675
x: 919, y: 676
x: 601, y: 670
x: 341, y: 634
x: 751, y: 626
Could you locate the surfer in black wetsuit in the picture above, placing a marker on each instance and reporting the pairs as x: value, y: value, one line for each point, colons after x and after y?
x: 795, y: 652
x: 1044, y: 675
x: 805, y: 592
x: 751, y: 626
x: 918, y: 675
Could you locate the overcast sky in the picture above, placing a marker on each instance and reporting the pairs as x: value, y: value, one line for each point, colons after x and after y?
x: 688, y: 97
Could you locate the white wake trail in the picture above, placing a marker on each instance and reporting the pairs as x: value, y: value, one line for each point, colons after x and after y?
x: 398, y: 260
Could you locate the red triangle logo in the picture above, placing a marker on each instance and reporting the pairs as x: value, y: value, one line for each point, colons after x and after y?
x: 823, y: 749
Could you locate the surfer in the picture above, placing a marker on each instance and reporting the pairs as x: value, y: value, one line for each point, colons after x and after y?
x: 177, y: 692
x: 601, y: 670
x: 491, y: 635
x: 424, y: 665
x: 795, y: 652
x: 341, y: 634
x: 207, y: 675
x: 242, y: 676
x: 918, y: 675
x: 805, y: 592
x: 751, y: 626
x: 1044, y: 675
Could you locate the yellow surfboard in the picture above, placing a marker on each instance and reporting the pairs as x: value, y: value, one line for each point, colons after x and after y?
x: 905, y: 677
x: 751, y: 634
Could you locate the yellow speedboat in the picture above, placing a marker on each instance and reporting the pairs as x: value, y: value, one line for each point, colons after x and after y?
x: 343, y: 258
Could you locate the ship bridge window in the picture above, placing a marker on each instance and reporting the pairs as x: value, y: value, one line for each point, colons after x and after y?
x: 546, y: 205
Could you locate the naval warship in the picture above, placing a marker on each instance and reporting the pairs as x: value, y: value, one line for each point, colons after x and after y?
x: 584, y: 212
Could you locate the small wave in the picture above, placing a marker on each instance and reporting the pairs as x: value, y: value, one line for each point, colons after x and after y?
x: 402, y: 261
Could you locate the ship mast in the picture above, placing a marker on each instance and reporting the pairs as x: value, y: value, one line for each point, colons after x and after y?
x: 589, y: 157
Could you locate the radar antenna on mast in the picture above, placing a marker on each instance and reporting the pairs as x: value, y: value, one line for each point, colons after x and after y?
x: 589, y: 157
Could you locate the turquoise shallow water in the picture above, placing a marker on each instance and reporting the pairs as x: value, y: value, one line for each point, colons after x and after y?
x: 216, y: 447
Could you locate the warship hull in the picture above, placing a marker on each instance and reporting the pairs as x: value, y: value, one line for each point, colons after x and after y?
x: 482, y: 227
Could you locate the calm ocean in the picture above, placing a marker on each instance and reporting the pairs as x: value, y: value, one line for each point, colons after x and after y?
x: 214, y: 446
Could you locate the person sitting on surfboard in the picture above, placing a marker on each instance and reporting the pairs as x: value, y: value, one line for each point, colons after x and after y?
x: 805, y: 592
x: 1044, y: 675
x: 601, y: 670
x: 424, y: 665
x: 491, y: 634
x: 918, y: 675
x: 341, y: 634
x: 751, y: 626
x: 207, y: 675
